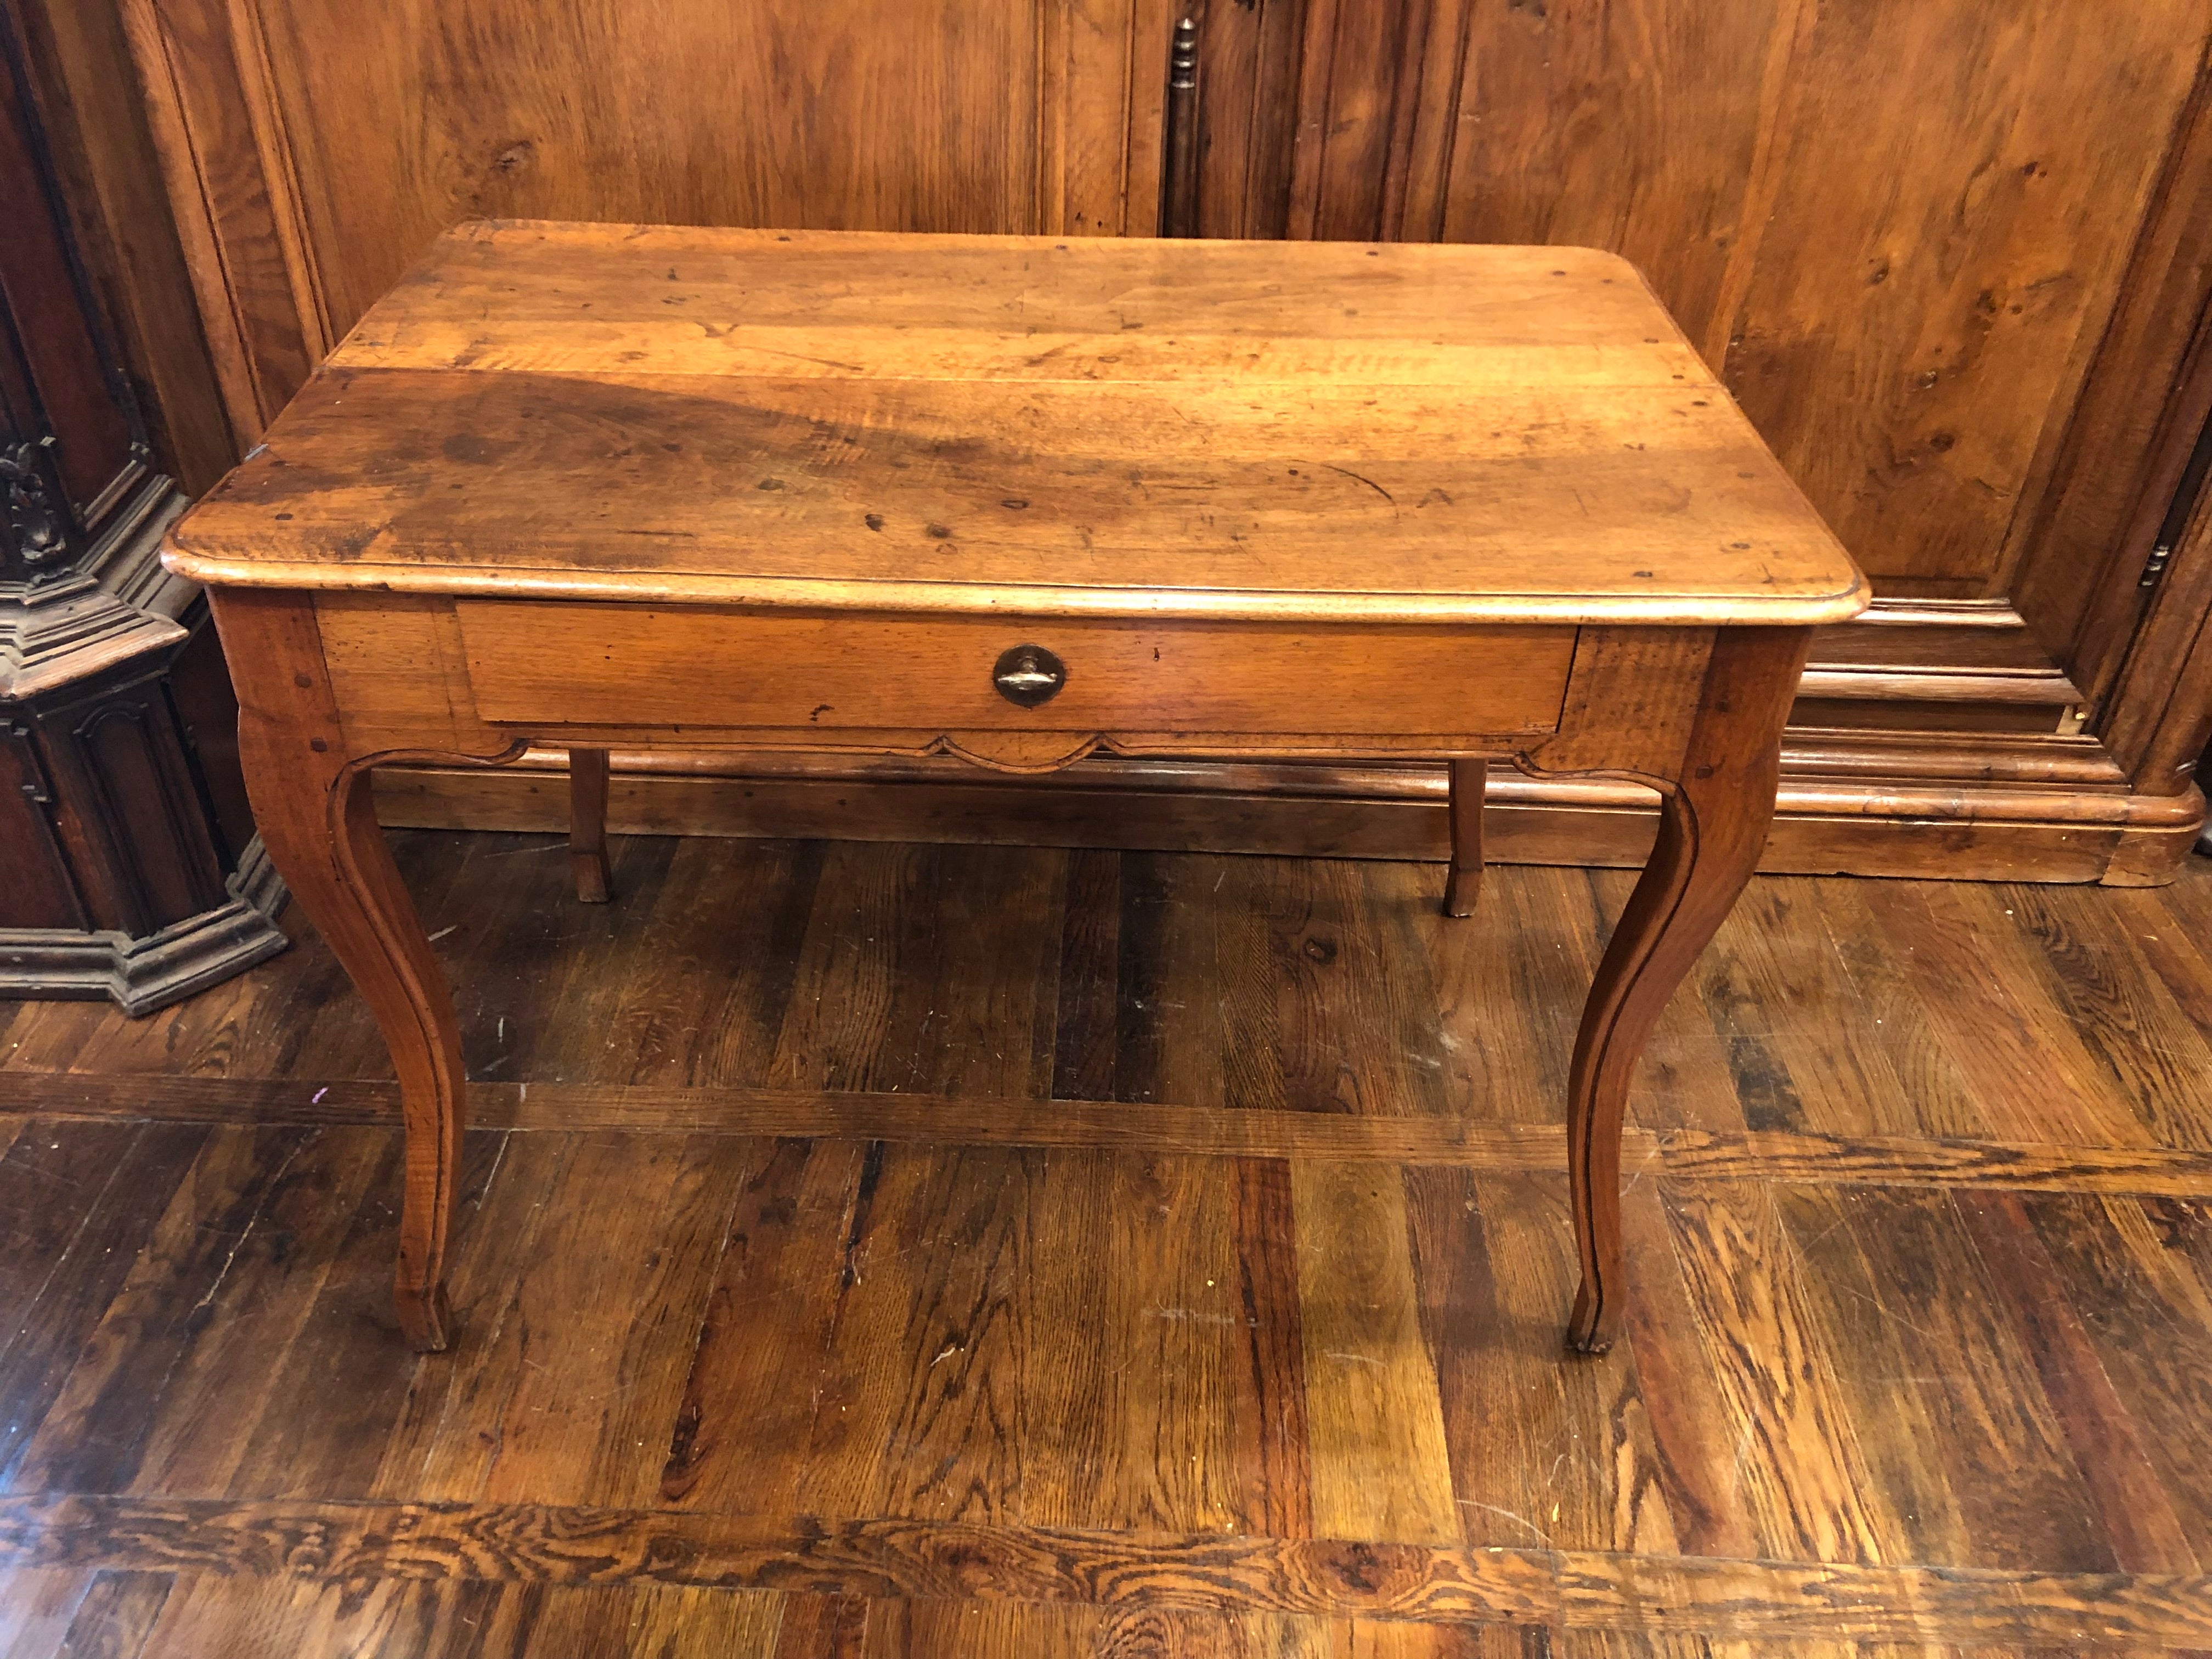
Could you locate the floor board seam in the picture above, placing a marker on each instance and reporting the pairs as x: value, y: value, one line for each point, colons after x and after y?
x: 360, y: 1539
x: 1675, y: 1155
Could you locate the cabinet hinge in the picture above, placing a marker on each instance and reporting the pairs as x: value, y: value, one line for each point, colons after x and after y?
x: 2153, y: 570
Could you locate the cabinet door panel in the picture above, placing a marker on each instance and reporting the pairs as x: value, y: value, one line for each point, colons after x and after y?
x: 330, y: 141
x: 1942, y: 252
x: 1899, y: 228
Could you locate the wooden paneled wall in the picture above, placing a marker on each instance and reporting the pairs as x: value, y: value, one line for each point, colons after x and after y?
x: 1952, y: 257
x: 1899, y: 228
x: 331, y: 140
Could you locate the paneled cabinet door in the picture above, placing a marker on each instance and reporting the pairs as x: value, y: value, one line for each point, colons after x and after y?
x: 121, y: 878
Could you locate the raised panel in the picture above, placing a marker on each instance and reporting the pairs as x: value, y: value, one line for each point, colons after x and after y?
x: 319, y: 145
x: 1634, y: 126
x: 1957, y: 188
x: 1251, y: 49
x: 38, y: 892
x: 2138, y: 422
x: 1901, y: 227
x: 207, y: 712
x: 129, y: 810
x: 226, y: 205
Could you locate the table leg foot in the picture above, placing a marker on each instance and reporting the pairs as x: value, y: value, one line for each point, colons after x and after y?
x: 1713, y: 820
x: 425, y: 1318
x: 1461, y: 889
x: 1594, y: 1325
x: 589, y: 870
x: 1464, y: 884
x: 587, y: 823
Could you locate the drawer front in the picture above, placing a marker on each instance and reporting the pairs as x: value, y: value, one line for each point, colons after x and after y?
x: 543, y: 664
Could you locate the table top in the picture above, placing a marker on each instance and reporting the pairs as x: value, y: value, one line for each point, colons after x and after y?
x: 1041, y: 425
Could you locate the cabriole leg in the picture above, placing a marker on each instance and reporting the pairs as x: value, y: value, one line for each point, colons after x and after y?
x: 317, y: 819
x: 1712, y: 826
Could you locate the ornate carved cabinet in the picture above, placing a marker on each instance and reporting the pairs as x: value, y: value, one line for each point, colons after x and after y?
x: 128, y: 867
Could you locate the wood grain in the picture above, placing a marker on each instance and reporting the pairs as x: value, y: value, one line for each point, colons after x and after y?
x: 1698, y: 142
x: 1684, y: 1154
x: 1582, y: 1591
x: 1371, y: 1386
x: 1798, y: 1457
x: 314, y: 808
x: 1713, y: 822
x: 635, y: 666
x: 1975, y: 352
x: 1019, y: 114
x: 1887, y: 1380
x: 1645, y: 495
x: 921, y: 1355
x: 81, y: 1209
x: 739, y: 1437
x: 1664, y: 181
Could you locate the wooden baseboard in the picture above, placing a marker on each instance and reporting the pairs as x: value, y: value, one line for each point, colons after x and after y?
x: 148, y: 972
x: 1997, y: 808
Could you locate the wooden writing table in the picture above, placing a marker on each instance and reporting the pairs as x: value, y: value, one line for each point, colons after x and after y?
x: 1021, y: 501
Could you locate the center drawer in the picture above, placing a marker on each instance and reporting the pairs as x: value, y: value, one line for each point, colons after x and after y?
x: 551, y: 663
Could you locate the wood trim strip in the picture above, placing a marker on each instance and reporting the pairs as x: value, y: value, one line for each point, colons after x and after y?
x: 1310, y: 138
x: 2042, y: 759
x: 2051, y: 690
x: 1836, y: 813
x: 1779, y: 88
x: 265, y: 114
x: 1049, y: 41
x: 199, y: 230
x: 936, y: 1561
x: 1149, y: 30
x: 1686, y: 1155
x: 2161, y: 712
x: 2126, y: 433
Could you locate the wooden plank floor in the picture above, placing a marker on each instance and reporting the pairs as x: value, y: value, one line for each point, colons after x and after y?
x: 942, y: 1250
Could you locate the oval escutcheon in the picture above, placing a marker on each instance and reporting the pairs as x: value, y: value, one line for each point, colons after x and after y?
x: 1027, y: 675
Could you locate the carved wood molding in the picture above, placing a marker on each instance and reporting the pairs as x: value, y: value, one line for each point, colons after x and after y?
x: 141, y: 975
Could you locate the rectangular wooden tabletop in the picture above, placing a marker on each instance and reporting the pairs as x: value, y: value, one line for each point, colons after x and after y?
x: 1319, y: 431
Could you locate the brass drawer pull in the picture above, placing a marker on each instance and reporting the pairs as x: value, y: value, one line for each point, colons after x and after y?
x: 1027, y: 675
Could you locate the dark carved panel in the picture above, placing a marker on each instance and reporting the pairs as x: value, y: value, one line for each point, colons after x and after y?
x: 36, y: 891
x: 38, y: 522
x: 71, y: 442
x: 136, y: 806
x: 125, y: 871
x: 207, y: 709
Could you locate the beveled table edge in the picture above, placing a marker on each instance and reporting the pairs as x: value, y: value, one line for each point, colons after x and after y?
x: 802, y: 593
